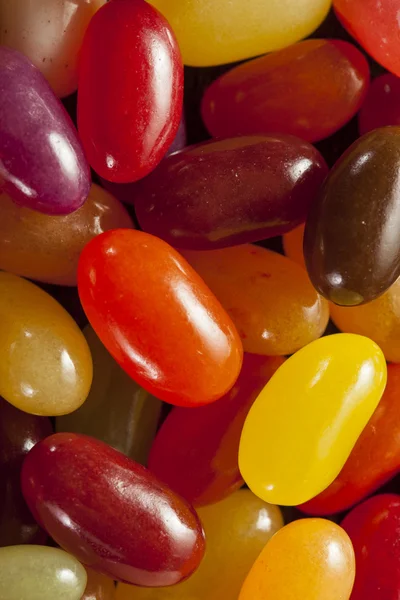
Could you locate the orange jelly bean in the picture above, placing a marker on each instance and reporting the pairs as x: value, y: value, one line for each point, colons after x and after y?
x: 293, y: 245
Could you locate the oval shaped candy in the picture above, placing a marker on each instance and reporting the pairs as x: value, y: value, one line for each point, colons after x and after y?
x: 40, y: 573
x: 47, y: 248
x: 382, y: 104
x: 45, y: 363
x: 293, y: 245
x: 310, y: 90
x: 157, y: 318
x: 212, y: 33
x: 271, y: 301
x: 352, y: 235
x: 130, y: 90
x: 42, y: 164
x: 228, y: 192
x: 98, y: 587
x: 309, y: 558
x: 50, y: 34
x: 304, y: 424
x: 110, y: 512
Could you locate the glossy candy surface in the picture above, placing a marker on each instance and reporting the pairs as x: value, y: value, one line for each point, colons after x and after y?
x: 209, y: 471
x: 130, y: 90
x: 40, y: 573
x: 46, y: 247
x: 42, y: 164
x: 157, y: 318
x: 374, y: 459
x: 50, y: 34
x: 274, y: 306
x: 374, y: 529
x: 352, y: 235
x: 98, y: 587
x: 293, y: 245
x: 382, y: 104
x: 117, y: 411
x: 211, y: 33
x: 304, y: 424
x: 110, y: 512
x: 310, y: 558
x: 45, y: 363
x: 228, y: 192
x: 229, y: 556
x: 310, y: 90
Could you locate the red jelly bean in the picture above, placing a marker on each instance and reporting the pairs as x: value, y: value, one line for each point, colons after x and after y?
x: 157, y: 318
x: 130, y: 90
x: 196, y: 449
x: 111, y: 513
x: 374, y: 529
x: 382, y: 104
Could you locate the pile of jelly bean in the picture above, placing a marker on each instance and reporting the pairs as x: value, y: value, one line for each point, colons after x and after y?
x: 199, y: 308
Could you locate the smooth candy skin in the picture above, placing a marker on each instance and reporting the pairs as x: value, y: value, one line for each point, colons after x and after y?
x: 274, y: 306
x: 309, y: 90
x: 229, y: 192
x: 236, y: 529
x: 50, y: 34
x: 211, y: 34
x: 98, y: 587
x: 376, y: 26
x: 46, y: 247
x: 45, y: 363
x: 110, y: 512
x: 352, y: 235
x: 374, y: 459
x: 382, y: 104
x: 374, y: 529
x: 117, y: 411
x: 40, y: 573
x: 130, y: 90
x: 309, y: 558
x: 42, y: 164
x: 330, y: 390
x: 293, y: 245
x: 158, y: 319
x: 209, y: 471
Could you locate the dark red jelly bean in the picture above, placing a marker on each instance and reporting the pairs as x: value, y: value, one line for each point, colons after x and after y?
x: 382, y: 104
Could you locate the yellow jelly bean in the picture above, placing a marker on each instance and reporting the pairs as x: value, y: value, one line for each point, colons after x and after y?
x: 302, y: 427
x: 45, y: 362
x: 214, y: 32
x: 310, y: 559
x: 237, y: 529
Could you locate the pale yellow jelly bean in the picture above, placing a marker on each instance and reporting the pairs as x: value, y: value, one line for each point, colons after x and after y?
x: 50, y: 34
x: 214, y: 32
x: 40, y: 573
x: 45, y: 362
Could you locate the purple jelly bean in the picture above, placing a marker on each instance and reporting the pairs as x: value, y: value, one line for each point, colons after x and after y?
x: 42, y: 164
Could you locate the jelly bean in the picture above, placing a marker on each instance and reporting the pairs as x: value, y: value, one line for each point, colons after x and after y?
x: 230, y: 192
x: 382, y: 104
x: 98, y: 587
x: 45, y: 363
x: 293, y: 245
x: 130, y: 90
x: 50, y: 34
x: 374, y: 459
x: 303, y: 426
x: 42, y: 164
x: 270, y: 299
x: 374, y: 529
x: 375, y: 24
x: 40, y: 573
x: 310, y: 558
x: 19, y: 432
x: 237, y: 529
x: 211, y: 33
x: 310, y: 90
x: 352, y: 236
x: 117, y: 410
x: 110, y: 512
x: 46, y: 247
x: 210, y: 471
x: 157, y: 318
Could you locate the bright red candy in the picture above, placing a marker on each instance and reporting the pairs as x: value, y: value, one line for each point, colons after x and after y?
x: 158, y: 319
x: 374, y: 529
x: 130, y: 90
x: 382, y: 104
x: 196, y: 449
x: 111, y: 513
